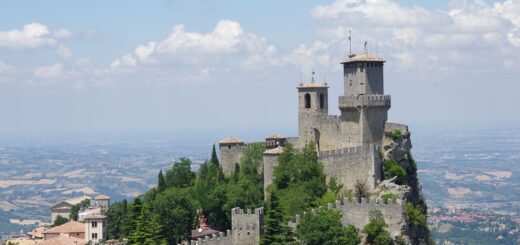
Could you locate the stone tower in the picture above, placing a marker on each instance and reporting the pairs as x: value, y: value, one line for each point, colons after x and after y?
x: 364, y: 107
x: 231, y: 150
x: 312, y: 104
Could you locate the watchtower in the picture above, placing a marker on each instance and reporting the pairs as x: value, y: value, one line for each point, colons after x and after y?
x: 364, y: 107
x: 312, y: 102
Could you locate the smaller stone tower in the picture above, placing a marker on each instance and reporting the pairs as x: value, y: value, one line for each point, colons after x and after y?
x: 312, y: 102
x: 247, y: 226
x: 231, y: 150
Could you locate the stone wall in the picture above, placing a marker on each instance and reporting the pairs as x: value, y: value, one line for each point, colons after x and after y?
x: 247, y: 227
x: 358, y: 213
x: 230, y: 155
x: 270, y: 162
x: 351, y: 164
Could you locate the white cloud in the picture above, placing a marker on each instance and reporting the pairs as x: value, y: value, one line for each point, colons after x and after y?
x: 32, y: 35
x: 144, y: 51
x: 422, y: 38
x: 64, y: 52
x: 62, y: 34
x: 228, y: 44
x: 52, y: 71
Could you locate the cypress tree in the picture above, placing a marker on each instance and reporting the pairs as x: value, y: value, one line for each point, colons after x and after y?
x: 161, y: 183
x: 274, y: 231
x: 214, y: 158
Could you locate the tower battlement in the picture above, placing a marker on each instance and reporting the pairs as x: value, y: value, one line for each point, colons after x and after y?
x: 357, y: 212
x: 357, y: 101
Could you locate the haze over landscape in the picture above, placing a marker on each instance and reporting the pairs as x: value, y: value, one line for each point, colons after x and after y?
x: 127, y: 87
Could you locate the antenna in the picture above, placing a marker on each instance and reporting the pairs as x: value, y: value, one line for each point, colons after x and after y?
x: 366, y: 42
x: 324, y: 73
x: 350, y: 41
x: 300, y: 67
x: 377, y: 49
x: 312, y: 76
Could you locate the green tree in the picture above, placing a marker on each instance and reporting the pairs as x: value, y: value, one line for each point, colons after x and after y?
x: 116, y: 214
x: 415, y: 215
x: 180, y: 174
x: 391, y: 168
x: 161, y: 182
x: 175, y: 212
x: 76, y: 208
x: 361, y: 190
x: 299, y: 179
x: 275, y: 233
x: 132, y: 215
x: 247, y: 192
x: 325, y: 228
x: 147, y: 230
x: 376, y: 230
x: 214, y: 158
x: 59, y: 220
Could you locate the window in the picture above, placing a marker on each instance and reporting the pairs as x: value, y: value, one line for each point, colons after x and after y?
x: 94, y: 235
x: 307, y: 100
x: 322, y: 101
x: 94, y: 223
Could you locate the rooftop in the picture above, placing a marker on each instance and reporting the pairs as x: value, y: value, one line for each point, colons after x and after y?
x: 313, y: 84
x: 362, y: 57
x: 102, y: 197
x: 63, y: 240
x: 231, y: 140
x: 202, y: 232
x: 275, y: 137
x: 274, y: 151
x: 69, y: 227
x: 94, y: 216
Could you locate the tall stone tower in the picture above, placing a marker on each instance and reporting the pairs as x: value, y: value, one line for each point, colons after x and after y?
x: 312, y: 104
x: 364, y: 107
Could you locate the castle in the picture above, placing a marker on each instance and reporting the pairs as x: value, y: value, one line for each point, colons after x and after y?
x: 348, y: 145
x: 351, y: 147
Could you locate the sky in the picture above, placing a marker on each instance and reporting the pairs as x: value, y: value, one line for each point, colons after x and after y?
x: 231, y: 67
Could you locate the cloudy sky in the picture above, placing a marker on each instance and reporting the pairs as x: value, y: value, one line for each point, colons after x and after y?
x: 232, y: 66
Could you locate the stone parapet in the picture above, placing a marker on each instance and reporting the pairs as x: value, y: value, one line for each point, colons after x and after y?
x: 357, y: 101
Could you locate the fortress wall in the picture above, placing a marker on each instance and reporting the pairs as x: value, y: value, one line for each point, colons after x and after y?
x: 247, y: 226
x: 229, y: 156
x: 373, y: 125
x: 216, y: 239
x: 357, y: 213
x: 350, y: 164
x: 319, y: 127
x: 270, y: 162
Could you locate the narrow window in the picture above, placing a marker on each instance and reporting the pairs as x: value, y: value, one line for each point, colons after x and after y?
x: 94, y: 223
x: 94, y: 235
x: 307, y: 100
x: 322, y: 101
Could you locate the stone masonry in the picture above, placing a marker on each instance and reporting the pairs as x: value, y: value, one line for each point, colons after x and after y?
x: 348, y: 145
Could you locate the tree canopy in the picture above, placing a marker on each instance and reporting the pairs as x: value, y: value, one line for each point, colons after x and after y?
x: 325, y: 228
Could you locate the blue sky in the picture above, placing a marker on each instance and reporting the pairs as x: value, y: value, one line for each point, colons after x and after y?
x: 182, y: 66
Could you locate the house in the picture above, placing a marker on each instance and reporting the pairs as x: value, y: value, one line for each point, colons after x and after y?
x: 71, y: 229
x: 95, y: 228
x: 62, y: 209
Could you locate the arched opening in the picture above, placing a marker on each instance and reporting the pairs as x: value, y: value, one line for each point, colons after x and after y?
x: 307, y: 100
x: 322, y: 101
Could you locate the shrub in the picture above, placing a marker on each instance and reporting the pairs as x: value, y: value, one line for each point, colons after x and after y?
x: 389, y: 196
x: 395, y: 135
x: 391, y: 169
x: 376, y: 230
x: 415, y: 215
